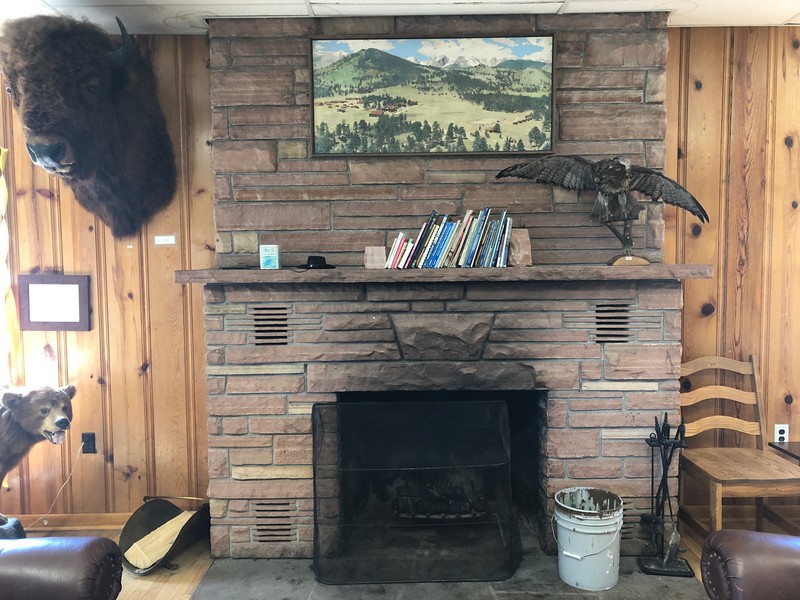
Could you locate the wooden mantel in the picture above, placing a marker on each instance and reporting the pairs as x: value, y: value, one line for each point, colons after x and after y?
x: 654, y: 272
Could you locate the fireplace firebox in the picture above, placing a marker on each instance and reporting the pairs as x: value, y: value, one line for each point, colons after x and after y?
x: 409, y: 491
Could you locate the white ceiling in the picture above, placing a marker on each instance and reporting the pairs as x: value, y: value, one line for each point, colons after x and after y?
x: 188, y: 16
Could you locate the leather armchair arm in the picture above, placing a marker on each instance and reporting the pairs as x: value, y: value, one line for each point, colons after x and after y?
x: 746, y: 565
x: 67, y: 568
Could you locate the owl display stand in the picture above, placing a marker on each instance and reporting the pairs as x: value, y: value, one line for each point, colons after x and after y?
x: 628, y: 260
x: 627, y: 257
x: 159, y: 530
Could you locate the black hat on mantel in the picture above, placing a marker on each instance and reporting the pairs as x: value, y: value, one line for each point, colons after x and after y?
x: 316, y: 262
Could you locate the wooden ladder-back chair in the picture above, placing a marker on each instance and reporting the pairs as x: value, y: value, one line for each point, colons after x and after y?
x: 732, y: 472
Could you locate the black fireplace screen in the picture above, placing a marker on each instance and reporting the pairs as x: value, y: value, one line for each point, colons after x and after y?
x: 413, y: 491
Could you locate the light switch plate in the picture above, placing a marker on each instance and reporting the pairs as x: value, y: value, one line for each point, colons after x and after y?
x: 164, y: 240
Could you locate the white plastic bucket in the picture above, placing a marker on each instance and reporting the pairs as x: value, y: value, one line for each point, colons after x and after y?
x: 588, y: 521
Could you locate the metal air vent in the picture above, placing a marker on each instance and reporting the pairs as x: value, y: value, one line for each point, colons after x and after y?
x: 270, y: 325
x: 630, y: 520
x: 273, y: 522
x: 612, y: 323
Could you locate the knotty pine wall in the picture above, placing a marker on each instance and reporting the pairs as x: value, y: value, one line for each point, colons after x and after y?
x: 140, y: 371
x: 733, y: 121
x: 733, y: 137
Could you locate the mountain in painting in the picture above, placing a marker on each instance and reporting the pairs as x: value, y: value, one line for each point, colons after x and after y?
x: 521, y: 63
x: 372, y: 69
x: 368, y: 69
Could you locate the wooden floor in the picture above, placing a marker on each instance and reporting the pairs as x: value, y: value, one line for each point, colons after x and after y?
x: 693, y: 546
x: 177, y: 581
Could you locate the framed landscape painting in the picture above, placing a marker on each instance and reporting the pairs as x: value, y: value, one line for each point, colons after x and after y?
x: 432, y: 96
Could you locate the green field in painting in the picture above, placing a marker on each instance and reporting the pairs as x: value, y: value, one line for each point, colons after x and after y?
x: 439, y: 107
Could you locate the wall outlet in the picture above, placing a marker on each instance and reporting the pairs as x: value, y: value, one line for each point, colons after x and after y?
x: 89, y: 445
x: 782, y: 432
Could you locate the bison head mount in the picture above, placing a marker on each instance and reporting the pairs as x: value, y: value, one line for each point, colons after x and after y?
x: 91, y: 116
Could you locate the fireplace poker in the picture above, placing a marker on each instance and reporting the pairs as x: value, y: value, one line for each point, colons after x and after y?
x: 678, y: 442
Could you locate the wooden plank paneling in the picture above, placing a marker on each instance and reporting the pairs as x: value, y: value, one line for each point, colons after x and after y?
x: 745, y: 253
x: 200, y: 235
x: 83, y: 360
x: 140, y: 370
x: 740, y: 149
x: 782, y: 378
x: 168, y: 361
x: 746, y: 202
x: 127, y: 382
x: 702, y: 160
x: 36, y: 201
x: 700, y: 87
x: 673, y: 106
x: 11, y: 497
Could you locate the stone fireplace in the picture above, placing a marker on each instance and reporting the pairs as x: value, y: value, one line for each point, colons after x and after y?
x: 599, y: 345
x: 602, y: 342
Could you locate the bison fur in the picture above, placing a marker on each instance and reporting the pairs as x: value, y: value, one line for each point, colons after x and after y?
x: 91, y: 116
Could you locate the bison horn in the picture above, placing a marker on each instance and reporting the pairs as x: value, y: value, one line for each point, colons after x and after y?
x: 122, y: 54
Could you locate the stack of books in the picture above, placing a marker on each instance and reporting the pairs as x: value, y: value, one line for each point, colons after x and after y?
x: 474, y: 240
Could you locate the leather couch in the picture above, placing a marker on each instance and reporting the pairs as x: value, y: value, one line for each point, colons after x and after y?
x: 63, y: 568
x: 750, y: 565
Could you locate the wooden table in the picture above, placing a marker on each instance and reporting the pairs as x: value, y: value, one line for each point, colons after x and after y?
x: 788, y: 449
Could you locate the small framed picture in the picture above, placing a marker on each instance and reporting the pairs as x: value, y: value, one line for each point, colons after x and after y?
x: 269, y: 256
x: 50, y: 302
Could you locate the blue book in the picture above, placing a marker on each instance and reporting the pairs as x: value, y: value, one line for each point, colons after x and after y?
x: 450, y: 242
x: 486, y: 248
x: 480, y: 238
x: 506, y: 243
x: 447, y: 244
x: 431, y: 257
x: 476, y: 239
x: 492, y: 262
x: 433, y: 260
x: 468, y: 235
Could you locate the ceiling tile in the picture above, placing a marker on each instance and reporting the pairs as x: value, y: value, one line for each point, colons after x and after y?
x: 188, y: 16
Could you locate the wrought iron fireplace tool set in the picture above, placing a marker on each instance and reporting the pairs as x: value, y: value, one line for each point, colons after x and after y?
x: 658, y: 558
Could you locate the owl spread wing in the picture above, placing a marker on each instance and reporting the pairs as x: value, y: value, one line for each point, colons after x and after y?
x: 657, y: 186
x: 569, y: 172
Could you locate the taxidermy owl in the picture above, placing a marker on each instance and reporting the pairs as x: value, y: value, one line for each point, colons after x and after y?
x: 613, y: 179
